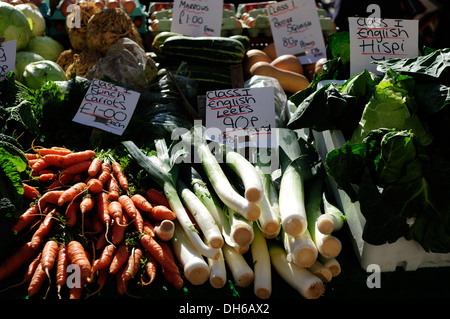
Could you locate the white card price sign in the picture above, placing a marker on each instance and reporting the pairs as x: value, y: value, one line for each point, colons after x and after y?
x: 296, y: 29
x: 7, y: 57
x: 107, y: 107
x: 241, y: 117
x: 378, y: 39
x: 197, y: 17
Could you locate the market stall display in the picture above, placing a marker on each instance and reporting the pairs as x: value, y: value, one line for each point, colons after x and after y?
x: 160, y: 207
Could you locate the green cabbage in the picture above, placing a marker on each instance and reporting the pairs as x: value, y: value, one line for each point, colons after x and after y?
x: 23, y: 58
x: 34, y: 17
x: 45, y: 46
x: 14, y: 25
x: 37, y: 73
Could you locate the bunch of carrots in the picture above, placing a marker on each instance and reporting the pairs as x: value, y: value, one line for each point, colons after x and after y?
x: 84, y: 214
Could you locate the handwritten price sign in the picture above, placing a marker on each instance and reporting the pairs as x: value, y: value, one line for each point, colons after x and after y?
x: 296, y: 29
x: 197, y: 17
x: 107, y: 107
x: 7, y: 58
x: 241, y: 117
x: 378, y: 39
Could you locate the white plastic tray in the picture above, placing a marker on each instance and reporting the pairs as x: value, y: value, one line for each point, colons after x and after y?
x: 406, y: 254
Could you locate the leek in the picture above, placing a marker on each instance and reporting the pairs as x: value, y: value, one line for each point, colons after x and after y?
x: 332, y: 219
x: 262, y: 285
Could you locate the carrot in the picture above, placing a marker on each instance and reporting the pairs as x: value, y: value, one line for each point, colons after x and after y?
x: 53, y: 150
x: 142, y: 203
x: 39, y: 165
x: 87, y: 204
x: 29, y: 273
x: 75, y: 293
x: 37, y: 281
x: 62, y: 180
x: 47, y: 177
x: 151, y: 266
x: 62, y: 262
x: 121, y: 286
x: 115, y: 211
x: 113, y: 188
x: 131, y: 210
x: 94, y: 185
x: 71, y: 212
x: 161, y: 212
x: 77, y: 157
x: 119, y: 259
x: 95, y: 167
x: 30, y: 192
x: 154, y: 248
x: 133, y: 265
x: 77, y: 168
x: 120, y: 176
x: 105, y: 259
x: 31, y: 156
x: 20, y: 257
x: 102, y: 204
x: 157, y: 197
x: 53, y: 159
x: 148, y: 228
x: 105, y: 172
x: 49, y: 255
x: 72, y: 192
x: 26, y: 219
x: 77, y: 256
x: 174, y: 279
x: 118, y: 229
x: 44, y: 229
x: 101, y: 281
x: 97, y: 226
x: 50, y: 197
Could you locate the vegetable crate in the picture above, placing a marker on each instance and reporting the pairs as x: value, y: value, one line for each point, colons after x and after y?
x: 407, y: 254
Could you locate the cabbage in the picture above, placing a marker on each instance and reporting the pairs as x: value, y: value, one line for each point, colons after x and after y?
x: 23, y: 58
x: 37, y: 73
x: 34, y: 16
x: 45, y: 46
x: 14, y: 25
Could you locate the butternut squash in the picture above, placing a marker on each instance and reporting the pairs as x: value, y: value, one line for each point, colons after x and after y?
x: 288, y: 62
x: 290, y: 81
x: 252, y: 56
x: 270, y: 50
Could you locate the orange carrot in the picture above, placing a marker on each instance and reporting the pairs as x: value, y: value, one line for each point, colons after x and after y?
x: 154, y: 248
x: 157, y: 197
x: 62, y: 262
x: 75, y: 292
x: 113, y: 188
x: 30, y: 192
x: 26, y: 219
x: 133, y: 265
x: 44, y: 229
x: 62, y: 180
x: 105, y: 172
x: 71, y: 212
x: 29, y: 272
x: 50, y: 197
x: 53, y: 150
x: 97, y: 226
x: 120, y: 176
x: 77, y: 157
x: 39, y: 165
x: 48, y: 259
x: 94, y: 185
x: 102, y: 207
x: 47, y: 177
x: 77, y: 168
x: 77, y: 256
x: 141, y: 202
x: 19, y: 258
x: 37, y: 281
x: 31, y: 156
x: 87, y: 204
x: 115, y: 211
x: 101, y: 281
x: 118, y: 229
x: 119, y: 259
x: 53, y: 159
x: 95, y: 167
x: 105, y: 259
x: 174, y: 279
x: 121, y: 286
x: 131, y: 210
x: 151, y: 267
x: 70, y: 193
x: 148, y: 228
x: 161, y: 212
